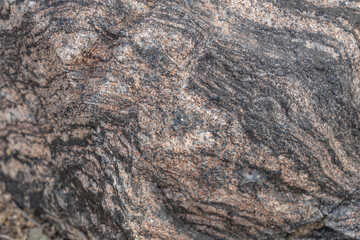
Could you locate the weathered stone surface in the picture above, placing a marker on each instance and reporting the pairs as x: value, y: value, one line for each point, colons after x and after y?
x: 345, y: 217
x: 183, y: 119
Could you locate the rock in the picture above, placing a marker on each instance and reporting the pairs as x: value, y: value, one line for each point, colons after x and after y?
x: 14, y: 223
x: 37, y: 234
x: 182, y: 119
x: 346, y: 217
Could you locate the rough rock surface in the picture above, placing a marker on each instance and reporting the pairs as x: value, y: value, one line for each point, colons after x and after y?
x: 191, y: 119
x: 15, y: 224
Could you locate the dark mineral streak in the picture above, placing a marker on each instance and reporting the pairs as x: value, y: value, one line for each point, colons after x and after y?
x: 191, y: 119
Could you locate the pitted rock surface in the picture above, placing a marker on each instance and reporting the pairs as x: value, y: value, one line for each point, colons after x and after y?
x: 183, y: 119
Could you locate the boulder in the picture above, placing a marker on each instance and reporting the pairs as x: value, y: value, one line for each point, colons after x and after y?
x: 196, y: 119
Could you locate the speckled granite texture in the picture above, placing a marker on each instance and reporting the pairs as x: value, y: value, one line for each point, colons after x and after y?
x: 191, y: 119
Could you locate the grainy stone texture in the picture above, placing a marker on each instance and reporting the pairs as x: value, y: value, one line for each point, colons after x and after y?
x: 191, y: 119
x: 15, y: 224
